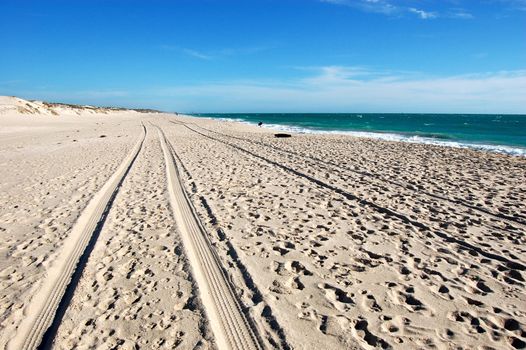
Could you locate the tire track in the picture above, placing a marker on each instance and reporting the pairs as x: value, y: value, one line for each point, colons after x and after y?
x: 275, y: 336
x: 512, y: 220
x: 508, y: 263
x: 228, y: 322
x: 42, y: 309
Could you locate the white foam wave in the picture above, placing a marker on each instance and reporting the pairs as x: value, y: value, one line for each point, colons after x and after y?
x: 516, y: 151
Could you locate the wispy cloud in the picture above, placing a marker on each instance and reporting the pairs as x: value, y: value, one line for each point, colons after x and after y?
x: 422, y: 14
x: 11, y: 82
x: 460, y: 14
x: 342, y: 74
x: 217, y: 53
x: 196, y: 54
x: 374, y: 6
x: 357, y: 89
x: 514, y: 4
x: 385, y: 7
x: 323, y: 89
x: 401, y: 8
x: 187, y: 51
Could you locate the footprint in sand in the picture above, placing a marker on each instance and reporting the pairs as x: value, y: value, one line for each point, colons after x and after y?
x: 338, y: 297
x: 368, y: 340
x: 403, y: 296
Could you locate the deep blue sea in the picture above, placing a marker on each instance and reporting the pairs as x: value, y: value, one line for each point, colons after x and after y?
x: 491, y: 132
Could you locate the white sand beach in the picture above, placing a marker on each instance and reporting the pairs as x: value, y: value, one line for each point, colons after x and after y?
x: 126, y: 229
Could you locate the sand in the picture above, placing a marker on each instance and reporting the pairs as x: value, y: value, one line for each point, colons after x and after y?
x: 125, y: 229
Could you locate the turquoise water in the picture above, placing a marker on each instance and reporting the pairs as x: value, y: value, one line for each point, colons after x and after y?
x: 499, y: 133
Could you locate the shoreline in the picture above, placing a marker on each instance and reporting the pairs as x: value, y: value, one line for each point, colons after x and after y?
x: 409, y: 137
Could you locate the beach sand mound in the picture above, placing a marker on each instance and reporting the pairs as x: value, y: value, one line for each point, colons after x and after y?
x: 11, y: 105
x: 15, y: 105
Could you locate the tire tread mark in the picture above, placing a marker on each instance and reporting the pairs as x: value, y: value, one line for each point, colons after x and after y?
x: 230, y: 327
x: 40, y: 312
x: 518, y: 219
x: 510, y: 264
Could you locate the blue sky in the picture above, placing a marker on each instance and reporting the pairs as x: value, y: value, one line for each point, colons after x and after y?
x: 449, y: 56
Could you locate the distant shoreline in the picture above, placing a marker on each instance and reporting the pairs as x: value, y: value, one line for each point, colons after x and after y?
x: 433, y: 136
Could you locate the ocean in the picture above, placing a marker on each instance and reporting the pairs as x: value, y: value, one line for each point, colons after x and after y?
x: 490, y: 132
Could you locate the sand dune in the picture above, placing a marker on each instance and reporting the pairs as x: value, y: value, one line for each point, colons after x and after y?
x: 218, y: 235
x: 10, y: 105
